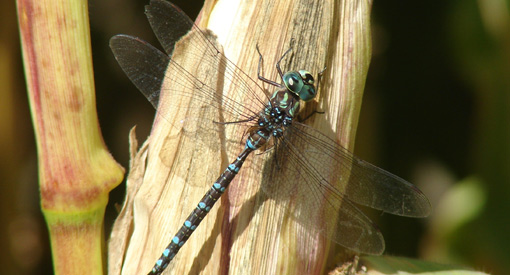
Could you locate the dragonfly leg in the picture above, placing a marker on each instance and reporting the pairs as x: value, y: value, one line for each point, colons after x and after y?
x: 258, y: 70
x: 319, y: 77
x: 283, y: 56
x: 310, y: 115
x: 235, y: 122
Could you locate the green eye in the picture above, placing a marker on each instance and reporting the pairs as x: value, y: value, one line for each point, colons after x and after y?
x: 293, y: 82
x: 307, y: 77
x: 300, y: 83
x: 307, y: 93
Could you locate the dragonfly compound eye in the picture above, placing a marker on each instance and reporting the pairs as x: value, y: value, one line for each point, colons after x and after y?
x: 293, y: 81
x: 307, y: 77
x: 301, y: 84
x: 307, y: 93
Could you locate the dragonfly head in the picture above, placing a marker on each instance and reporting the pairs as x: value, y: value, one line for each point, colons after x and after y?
x: 300, y: 83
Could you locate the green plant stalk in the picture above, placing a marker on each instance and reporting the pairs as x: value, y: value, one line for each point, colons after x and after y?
x: 76, y: 171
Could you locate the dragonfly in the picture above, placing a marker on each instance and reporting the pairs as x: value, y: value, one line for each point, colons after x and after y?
x: 333, y: 179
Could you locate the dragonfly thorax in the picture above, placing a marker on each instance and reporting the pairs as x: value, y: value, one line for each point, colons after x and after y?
x: 272, y: 121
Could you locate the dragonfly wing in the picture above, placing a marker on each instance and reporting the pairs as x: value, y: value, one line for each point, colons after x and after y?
x: 171, y: 24
x: 323, y: 180
x: 143, y: 64
x: 358, y: 180
x: 168, y: 22
x: 317, y: 205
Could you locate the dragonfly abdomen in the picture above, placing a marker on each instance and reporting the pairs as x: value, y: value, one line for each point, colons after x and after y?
x: 199, y: 213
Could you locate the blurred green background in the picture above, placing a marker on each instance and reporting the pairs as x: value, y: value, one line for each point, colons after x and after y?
x: 436, y: 111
